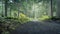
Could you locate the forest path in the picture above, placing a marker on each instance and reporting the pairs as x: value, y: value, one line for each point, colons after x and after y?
x: 35, y: 27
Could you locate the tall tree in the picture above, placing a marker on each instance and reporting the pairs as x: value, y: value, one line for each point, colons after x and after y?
x: 58, y: 8
x: 6, y: 2
x: 51, y: 9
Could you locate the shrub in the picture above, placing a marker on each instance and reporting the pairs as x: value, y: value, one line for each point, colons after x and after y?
x: 23, y: 18
x: 44, y: 17
x: 11, y: 18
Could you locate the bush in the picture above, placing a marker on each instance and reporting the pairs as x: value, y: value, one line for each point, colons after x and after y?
x: 44, y: 17
x: 10, y: 18
x: 23, y: 18
x: 54, y: 18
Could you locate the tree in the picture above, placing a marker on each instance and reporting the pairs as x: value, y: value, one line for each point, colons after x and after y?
x: 6, y: 4
x: 58, y: 8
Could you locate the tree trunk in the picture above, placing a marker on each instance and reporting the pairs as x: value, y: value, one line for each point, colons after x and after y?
x: 51, y: 8
x: 58, y: 9
x: 6, y: 2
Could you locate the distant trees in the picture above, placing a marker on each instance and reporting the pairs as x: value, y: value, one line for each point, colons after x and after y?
x: 24, y: 5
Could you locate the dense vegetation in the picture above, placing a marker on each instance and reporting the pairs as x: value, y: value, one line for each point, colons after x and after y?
x: 17, y: 12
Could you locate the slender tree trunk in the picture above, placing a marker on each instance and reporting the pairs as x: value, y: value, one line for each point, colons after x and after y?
x: 6, y: 2
x: 51, y: 8
x: 2, y: 8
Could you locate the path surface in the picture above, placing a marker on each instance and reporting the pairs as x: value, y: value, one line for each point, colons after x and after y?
x: 35, y: 27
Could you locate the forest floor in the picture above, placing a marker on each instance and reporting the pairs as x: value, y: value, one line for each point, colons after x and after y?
x: 35, y: 27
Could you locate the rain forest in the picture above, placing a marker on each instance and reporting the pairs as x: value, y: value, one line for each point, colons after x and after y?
x: 29, y: 16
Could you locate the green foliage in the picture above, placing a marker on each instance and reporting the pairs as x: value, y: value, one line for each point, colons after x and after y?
x: 44, y: 17
x: 23, y: 18
x: 11, y: 18
x: 26, y: 9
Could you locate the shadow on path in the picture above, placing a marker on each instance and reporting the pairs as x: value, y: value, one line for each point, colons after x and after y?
x: 34, y: 27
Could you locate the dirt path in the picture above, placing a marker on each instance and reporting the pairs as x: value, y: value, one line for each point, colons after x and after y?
x: 35, y: 27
